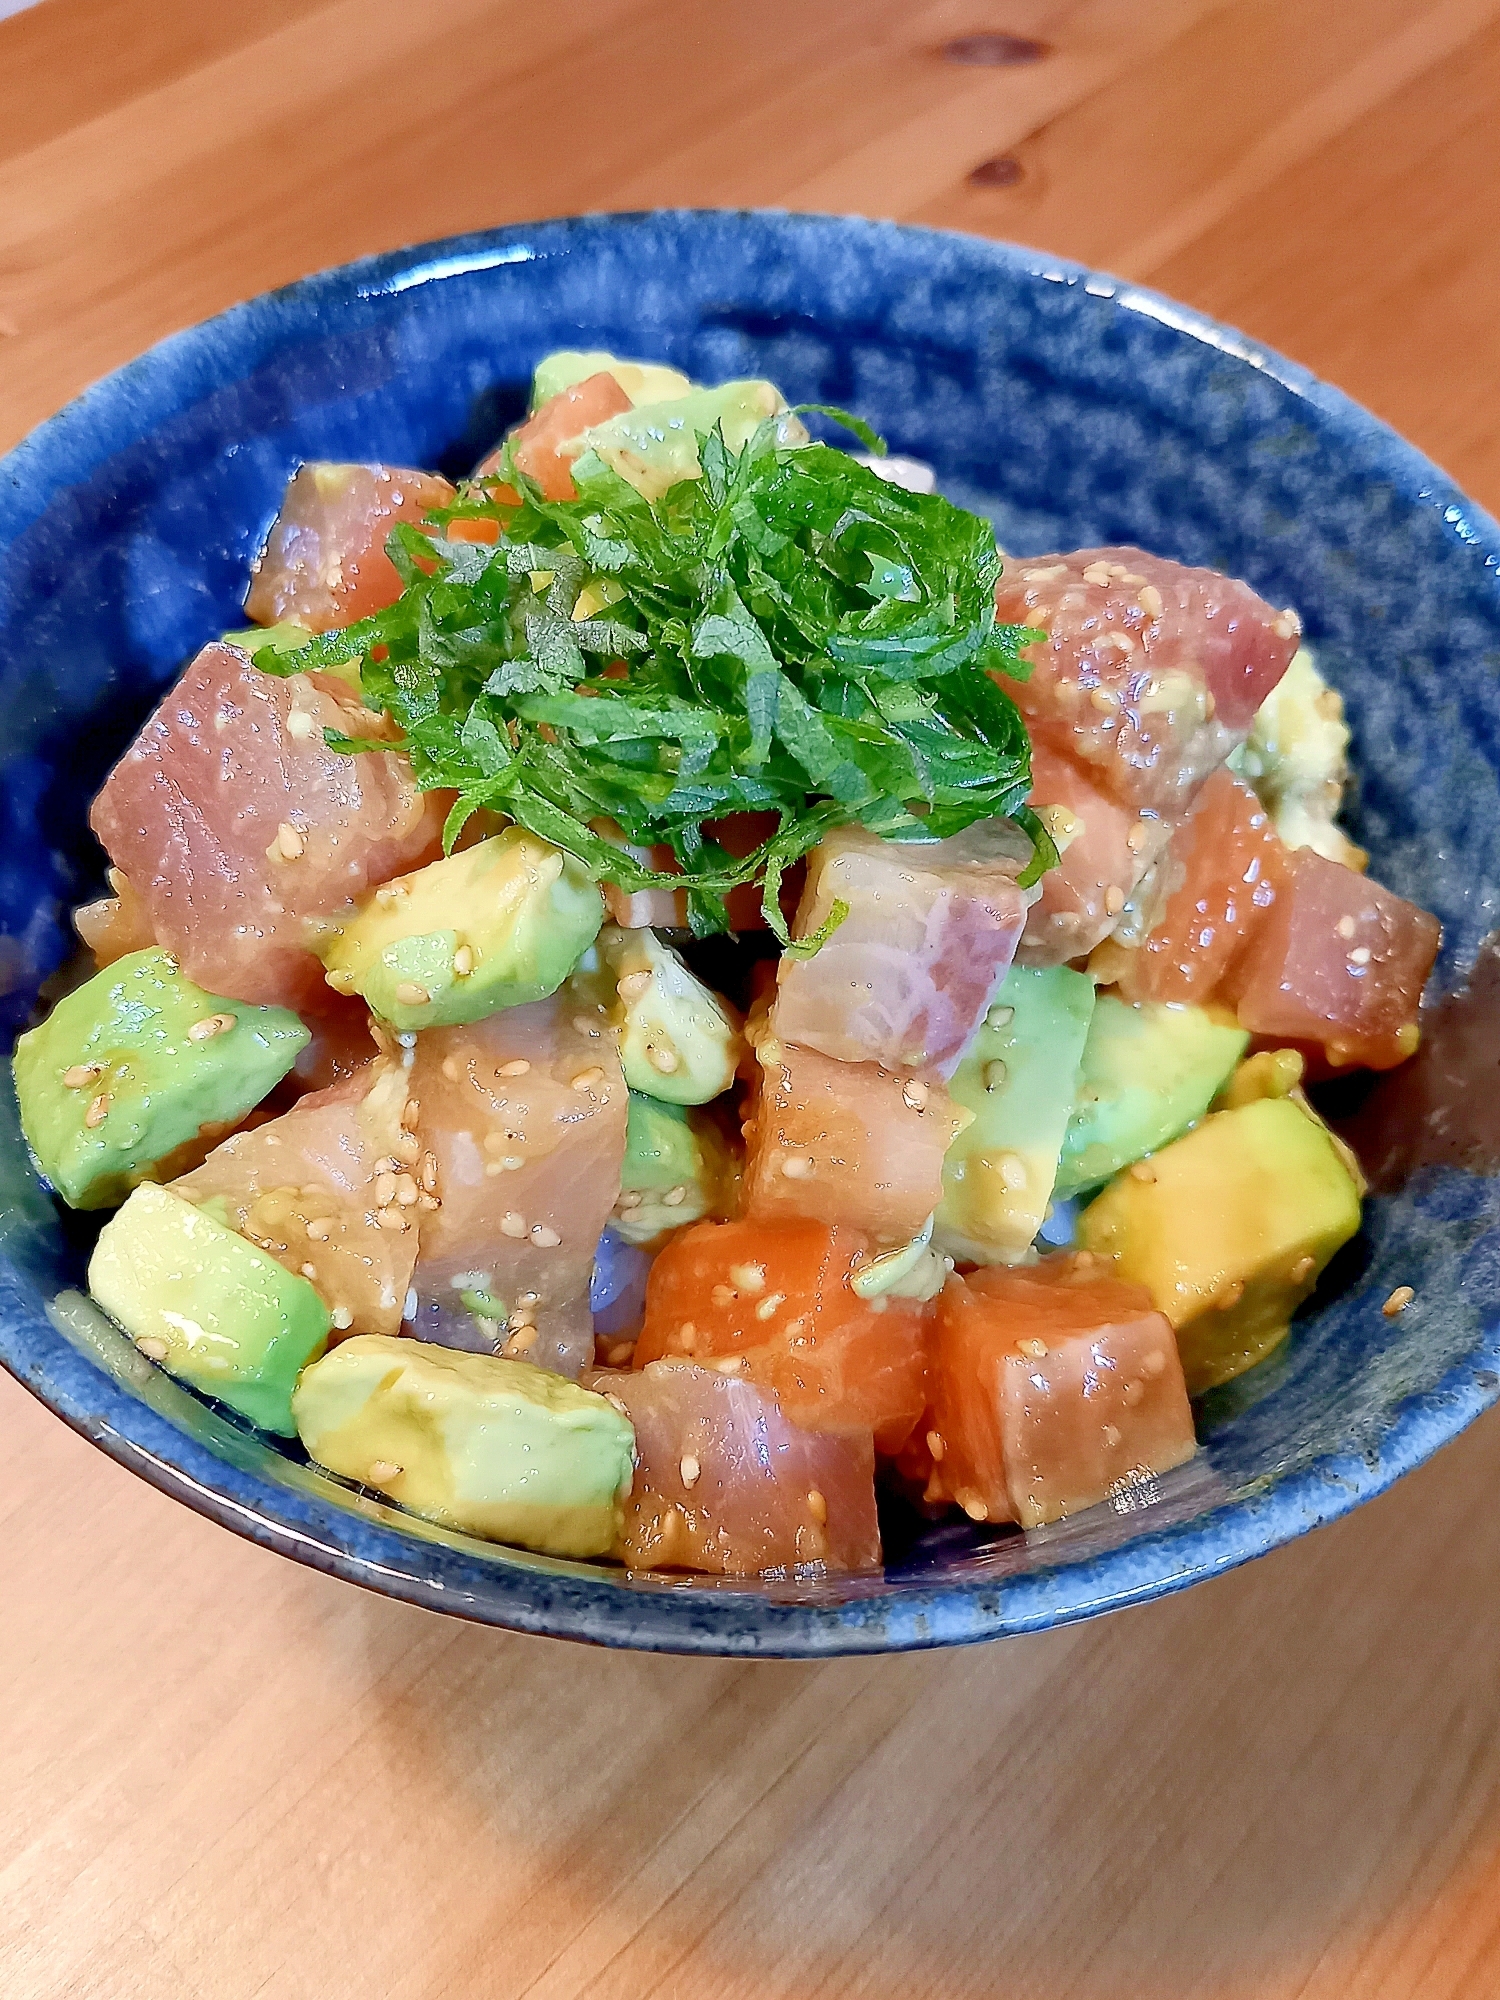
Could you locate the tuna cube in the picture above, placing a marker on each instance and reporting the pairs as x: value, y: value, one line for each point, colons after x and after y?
x: 324, y: 564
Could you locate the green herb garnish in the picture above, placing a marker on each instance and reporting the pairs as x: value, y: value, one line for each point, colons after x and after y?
x: 787, y: 633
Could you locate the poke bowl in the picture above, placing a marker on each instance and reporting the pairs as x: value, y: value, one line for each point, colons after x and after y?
x: 1111, y: 471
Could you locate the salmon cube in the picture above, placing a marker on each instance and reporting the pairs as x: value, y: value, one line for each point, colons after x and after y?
x: 779, y: 1297
x: 725, y: 1482
x: 546, y: 445
x: 1055, y: 1386
x: 324, y: 564
x: 1103, y: 849
x: 1339, y: 963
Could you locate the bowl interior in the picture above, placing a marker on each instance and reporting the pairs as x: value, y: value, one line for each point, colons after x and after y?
x: 1069, y: 409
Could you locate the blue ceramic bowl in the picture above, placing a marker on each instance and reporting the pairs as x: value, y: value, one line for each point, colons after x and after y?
x: 1072, y: 410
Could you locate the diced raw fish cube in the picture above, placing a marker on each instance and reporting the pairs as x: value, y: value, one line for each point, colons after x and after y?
x: 931, y: 930
x: 324, y: 564
x: 725, y: 1482
x: 1104, y: 850
x: 1150, y: 672
x: 235, y: 824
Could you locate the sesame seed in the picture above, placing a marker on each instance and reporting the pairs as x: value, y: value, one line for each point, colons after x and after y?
x: 1133, y: 1392
x: 318, y: 1228
x: 81, y: 1075
x: 582, y: 1025
x: 406, y: 1191
x: 1097, y: 572
x: 1123, y: 642
x: 152, y: 1348
x: 524, y: 1336
x: 730, y: 1366
x: 543, y: 1237
x: 385, y: 1190
x: 299, y: 724
x: 1287, y: 625
x: 674, y: 1197
x: 685, y: 1339
x: 1049, y: 575
x: 1148, y: 597
x: 97, y: 1112
x: 633, y: 985
x: 630, y: 1198
x: 914, y: 1094
x: 721, y: 1295
x: 690, y: 1469
x: 211, y: 1025
x: 408, y: 1148
x: 429, y: 1171
x: 289, y: 843
x: 1013, y: 1171
x: 450, y: 1069
x: 1210, y: 706
x: 383, y: 1471
x: 1111, y: 1437
x: 517, y: 1066
x: 1083, y: 1260
x: 1302, y: 1269
x: 309, y: 1270
x: 1360, y: 955
x: 392, y: 1218
x: 411, y: 1111
x: 768, y: 1305
x: 512, y: 1224
x: 1398, y: 1301
x: 342, y: 1317
x: 817, y: 1506
x: 1408, y: 1038
x: 1155, y: 1363
x: 1135, y: 840
x: 1143, y: 1170
x: 995, y: 1074
x: 1114, y: 899
x: 616, y: 1354
x: 587, y: 1079
x: 797, y: 1167
x: 1035, y: 1349
x: 663, y: 1060
x: 937, y: 1444
x: 409, y: 994
x: 974, y: 1507
x: 1104, y: 699
x: 428, y: 1202
x: 463, y: 962
x: 1230, y: 1297
x: 1000, y: 1017
x: 1345, y: 927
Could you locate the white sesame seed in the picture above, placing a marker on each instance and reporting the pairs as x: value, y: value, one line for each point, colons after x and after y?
x: 82, y: 1074
x: 587, y: 1079
x: 582, y: 1025
x: 309, y: 1270
x: 1149, y: 599
x: 1105, y: 700
x: 937, y: 1444
x: 730, y: 1366
x: 914, y: 1094
x: 1013, y: 1171
x: 1303, y: 1269
x: 411, y: 1111
x: 1123, y: 642
x: 633, y: 985
x: 97, y: 1112
x: 1097, y: 572
x: 1155, y: 1363
x: 974, y: 1507
x: 392, y: 1218
x: 450, y: 1069
x: 797, y: 1167
x: 768, y: 1306
x: 1111, y: 1437
x: 300, y: 725
x: 543, y: 1237
x: 382, y: 1472
x: 748, y: 1277
x: 518, y: 1066
x: 209, y: 1026
x: 512, y: 1224
x: 1360, y: 955
x: 152, y: 1348
x: 1143, y: 1170
x: 1048, y: 575
x: 429, y: 1171
x: 663, y: 1060
x: 1000, y: 1017
x: 1114, y: 899
x: 817, y: 1506
x: 408, y: 1148
x: 721, y: 1295
x: 318, y: 1228
x: 1345, y: 926
x: 1398, y: 1301
x: 385, y: 1190
x: 674, y: 1197
x: 523, y: 1337
x: 289, y: 843
x: 406, y: 1191
x: 995, y: 1074
x: 1035, y: 1349
x: 463, y: 962
x: 690, y: 1469
x: 1135, y: 840
x: 409, y: 994
x: 342, y: 1317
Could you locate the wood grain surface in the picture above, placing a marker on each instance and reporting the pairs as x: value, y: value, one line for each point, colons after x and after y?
x: 222, y: 1776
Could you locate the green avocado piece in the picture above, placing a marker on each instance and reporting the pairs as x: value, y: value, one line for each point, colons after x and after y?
x: 213, y: 1309
x: 283, y: 638
x: 131, y: 1065
x: 642, y: 381
x: 1229, y: 1228
x: 489, y: 1446
x: 678, y: 1041
x: 1150, y: 1069
x: 653, y: 447
x: 670, y: 1150
x: 496, y: 925
x: 1019, y: 1078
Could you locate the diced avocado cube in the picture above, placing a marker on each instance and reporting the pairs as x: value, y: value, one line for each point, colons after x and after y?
x: 130, y: 1067
x: 283, y: 638
x: 677, y: 1169
x: 653, y: 447
x: 1229, y: 1227
x: 1019, y: 1077
x: 642, y: 381
x: 678, y: 1040
x: 1149, y: 1071
x: 489, y: 1446
x: 213, y: 1309
x: 496, y: 925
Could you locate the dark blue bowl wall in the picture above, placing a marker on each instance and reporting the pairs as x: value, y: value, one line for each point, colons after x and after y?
x: 1069, y: 409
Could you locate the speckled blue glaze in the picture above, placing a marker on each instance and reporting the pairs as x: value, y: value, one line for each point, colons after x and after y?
x: 1071, y: 409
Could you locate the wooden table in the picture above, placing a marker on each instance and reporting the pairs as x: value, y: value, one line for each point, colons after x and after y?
x: 222, y: 1776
